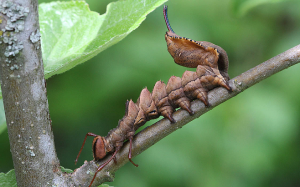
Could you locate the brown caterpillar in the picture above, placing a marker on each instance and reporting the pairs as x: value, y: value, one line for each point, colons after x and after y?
x: 212, y: 66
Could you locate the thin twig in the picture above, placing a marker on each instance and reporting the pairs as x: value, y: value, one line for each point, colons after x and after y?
x: 152, y: 134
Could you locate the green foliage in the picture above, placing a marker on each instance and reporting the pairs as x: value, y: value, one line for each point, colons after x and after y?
x: 65, y: 170
x: 8, y: 179
x: 67, y: 29
x: 242, y: 7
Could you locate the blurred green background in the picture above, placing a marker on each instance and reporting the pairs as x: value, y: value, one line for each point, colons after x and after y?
x: 250, y: 140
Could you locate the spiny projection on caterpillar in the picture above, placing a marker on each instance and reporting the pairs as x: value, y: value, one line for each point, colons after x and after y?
x: 211, y: 62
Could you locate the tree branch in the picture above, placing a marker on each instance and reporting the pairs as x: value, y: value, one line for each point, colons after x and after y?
x: 152, y: 134
x: 24, y: 95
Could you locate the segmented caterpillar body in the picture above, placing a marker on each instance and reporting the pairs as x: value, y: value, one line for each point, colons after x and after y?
x: 212, y: 66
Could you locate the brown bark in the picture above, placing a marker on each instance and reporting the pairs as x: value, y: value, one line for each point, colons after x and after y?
x: 24, y: 96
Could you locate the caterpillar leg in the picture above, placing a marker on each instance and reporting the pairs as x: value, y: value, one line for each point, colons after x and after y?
x: 103, y: 165
x: 167, y: 113
x: 210, y: 81
x: 115, y: 160
x: 176, y: 95
x: 129, y: 153
x: 192, y: 86
x: 202, y: 96
x: 160, y: 98
x: 222, y: 83
x: 88, y: 134
x: 185, y: 104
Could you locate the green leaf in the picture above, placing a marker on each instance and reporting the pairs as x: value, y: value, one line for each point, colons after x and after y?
x: 8, y: 179
x: 2, y: 118
x: 242, y: 7
x: 67, y: 28
x: 66, y: 170
x: 72, y: 34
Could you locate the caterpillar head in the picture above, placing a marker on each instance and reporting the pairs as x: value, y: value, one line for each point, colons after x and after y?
x: 191, y: 53
x: 99, y: 150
